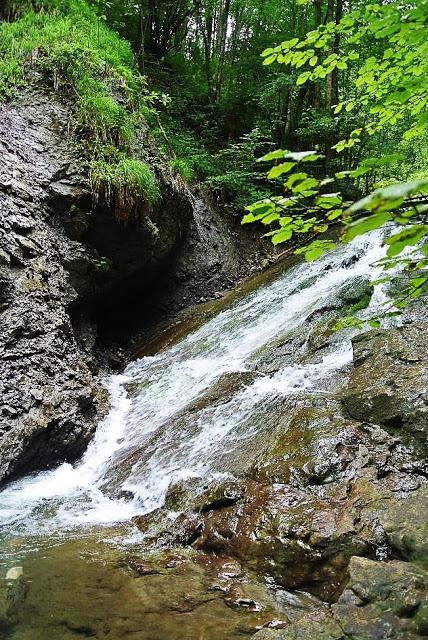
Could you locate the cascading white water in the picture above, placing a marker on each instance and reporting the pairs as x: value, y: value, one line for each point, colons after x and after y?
x: 147, y: 441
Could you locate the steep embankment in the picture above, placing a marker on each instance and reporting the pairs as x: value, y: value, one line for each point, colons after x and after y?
x: 50, y: 398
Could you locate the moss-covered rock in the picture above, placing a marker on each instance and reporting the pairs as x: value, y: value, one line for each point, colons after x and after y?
x: 404, y: 521
x: 383, y: 600
x: 317, y: 625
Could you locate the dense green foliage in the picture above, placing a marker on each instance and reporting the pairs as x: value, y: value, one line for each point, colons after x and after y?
x: 382, y: 49
x: 225, y: 107
x: 220, y: 83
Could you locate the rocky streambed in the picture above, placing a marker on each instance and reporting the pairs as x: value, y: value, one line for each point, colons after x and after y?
x: 259, y: 475
x: 335, y: 504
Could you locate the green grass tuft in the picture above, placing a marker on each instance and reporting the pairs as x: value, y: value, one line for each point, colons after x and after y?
x: 183, y: 168
x: 129, y: 185
x: 105, y: 121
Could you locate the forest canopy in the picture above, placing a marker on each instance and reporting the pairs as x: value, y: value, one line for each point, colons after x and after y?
x: 333, y: 96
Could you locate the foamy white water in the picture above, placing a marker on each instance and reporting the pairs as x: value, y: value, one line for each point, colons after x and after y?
x: 154, y: 437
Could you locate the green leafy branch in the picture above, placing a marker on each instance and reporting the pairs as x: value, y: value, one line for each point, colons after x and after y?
x: 306, y: 209
x: 391, y: 86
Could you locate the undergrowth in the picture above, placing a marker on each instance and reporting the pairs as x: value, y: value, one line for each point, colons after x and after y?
x: 81, y: 57
x: 231, y: 174
x: 75, y: 51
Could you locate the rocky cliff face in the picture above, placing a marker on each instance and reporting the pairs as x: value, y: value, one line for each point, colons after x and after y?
x: 48, y: 393
x: 69, y: 270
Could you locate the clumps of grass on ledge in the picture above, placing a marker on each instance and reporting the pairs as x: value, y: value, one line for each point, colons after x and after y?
x: 90, y: 64
x: 183, y: 168
x: 127, y: 184
x: 105, y: 121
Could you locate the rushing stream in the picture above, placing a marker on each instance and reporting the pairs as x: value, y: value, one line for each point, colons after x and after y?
x: 162, y: 429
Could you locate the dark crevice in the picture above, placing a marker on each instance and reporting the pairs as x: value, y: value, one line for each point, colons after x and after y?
x: 395, y: 422
x: 197, y: 533
x: 221, y: 503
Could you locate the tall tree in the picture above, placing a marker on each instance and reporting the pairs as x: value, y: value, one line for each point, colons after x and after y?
x: 222, y: 36
x: 334, y: 13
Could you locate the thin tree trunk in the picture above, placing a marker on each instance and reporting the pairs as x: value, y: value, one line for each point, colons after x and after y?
x: 317, y: 11
x: 335, y: 11
x: 316, y: 88
x: 224, y: 22
x: 332, y: 96
x: 142, y: 27
x: 205, y: 27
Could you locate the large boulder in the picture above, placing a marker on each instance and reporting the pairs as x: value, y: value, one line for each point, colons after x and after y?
x: 388, y: 385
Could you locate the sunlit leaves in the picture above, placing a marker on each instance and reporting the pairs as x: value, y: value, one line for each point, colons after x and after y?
x: 282, y: 236
x: 305, y: 187
x: 278, y: 154
x: 307, y: 210
x: 294, y: 156
x: 269, y: 59
x: 329, y: 200
x: 295, y: 179
x: 408, y: 237
x: 280, y: 169
x: 365, y: 225
x: 271, y: 217
x: 316, y: 249
x: 392, y: 84
x: 303, y: 78
x: 303, y: 210
x: 258, y: 211
x: 267, y: 52
x: 389, y: 198
x: 334, y: 214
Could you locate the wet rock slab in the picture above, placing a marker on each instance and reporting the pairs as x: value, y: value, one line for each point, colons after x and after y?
x: 389, y: 382
x: 329, y: 489
x: 84, y: 588
x: 334, y: 503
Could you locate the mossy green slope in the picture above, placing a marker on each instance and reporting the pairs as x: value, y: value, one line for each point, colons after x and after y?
x: 82, y: 58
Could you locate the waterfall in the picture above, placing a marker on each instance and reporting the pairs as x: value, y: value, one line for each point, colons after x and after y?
x: 160, y: 430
